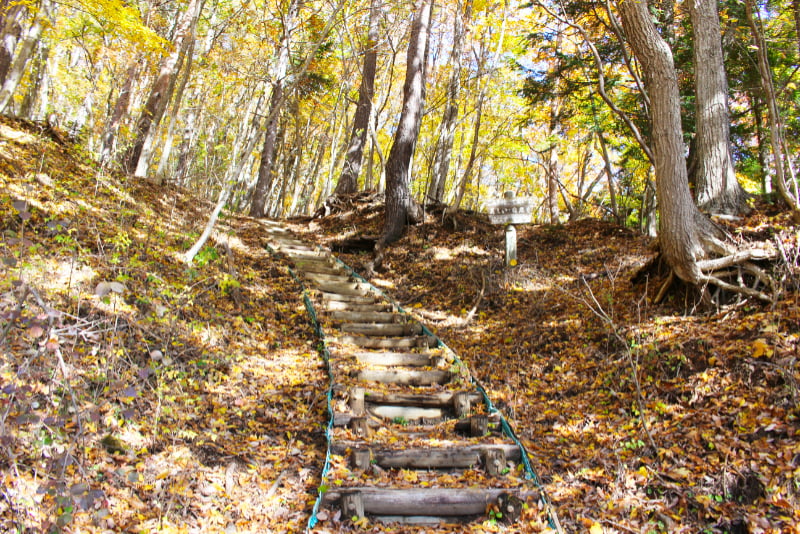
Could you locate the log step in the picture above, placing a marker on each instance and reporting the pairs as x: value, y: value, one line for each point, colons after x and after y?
x: 344, y: 288
x: 440, y: 502
x: 365, y: 317
x: 388, y: 359
x: 367, y: 306
x: 390, y: 343
x: 493, y: 458
x: 319, y: 268
x: 444, y: 399
x: 382, y: 329
x: 292, y: 247
x: 305, y: 254
x: 408, y: 377
x: 350, y: 299
x: 326, y: 278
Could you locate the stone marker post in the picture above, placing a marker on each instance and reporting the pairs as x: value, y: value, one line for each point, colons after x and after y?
x: 511, y: 245
x: 510, y: 210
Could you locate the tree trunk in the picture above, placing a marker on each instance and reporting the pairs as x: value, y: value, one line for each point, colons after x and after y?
x: 447, y: 131
x: 137, y: 157
x: 612, y: 189
x: 11, y: 11
x: 784, y: 174
x: 38, y: 86
x: 399, y: 203
x: 24, y: 50
x: 761, y: 144
x: 176, y: 106
x: 348, y: 181
x: 120, y: 108
x: 683, y: 229
x: 717, y: 189
x: 264, y: 183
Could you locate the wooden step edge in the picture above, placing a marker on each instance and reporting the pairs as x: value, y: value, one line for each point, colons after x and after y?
x: 406, y: 377
x: 437, y: 502
x: 371, y: 304
x: 328, y: 297
x: 409, y: 342
x: 493, y: 460
x: 365, y: 317
x: 382, y: 329
x: 411, y: 359
x: 426, y: 400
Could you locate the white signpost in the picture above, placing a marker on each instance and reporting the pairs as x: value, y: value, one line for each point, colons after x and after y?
x: 510, y: 210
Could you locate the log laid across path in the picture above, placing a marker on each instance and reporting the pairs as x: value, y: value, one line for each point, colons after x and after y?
x: 412, y: 439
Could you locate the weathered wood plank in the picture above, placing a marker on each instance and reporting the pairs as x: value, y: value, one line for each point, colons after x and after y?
x: 405, y: 413
x: 409, y: 377
x: 389, y: 343
x: 351, y: 299
x: 343, y: 288
x: 319, y: 267
x: 445, y: 502
x: 411, y: 359
x: 462, y: 454
x: 325, y: 278
x: 382, y: 329
x: 368, y: 305
x: 442, y: 399
x: 365, y: 317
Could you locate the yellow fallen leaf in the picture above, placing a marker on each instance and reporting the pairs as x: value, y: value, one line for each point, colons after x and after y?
x: 596, y: 528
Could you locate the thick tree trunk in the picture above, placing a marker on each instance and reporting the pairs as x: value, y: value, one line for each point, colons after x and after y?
x: 447, y: 130
x: 348, y: 181
x: 24, y: 50
x: 683, y: 230
x: 137, y: 158
x: 717, y: 189
x: 399, y: 203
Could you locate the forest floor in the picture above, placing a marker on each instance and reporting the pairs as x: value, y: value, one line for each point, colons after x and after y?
x: 139, y: 394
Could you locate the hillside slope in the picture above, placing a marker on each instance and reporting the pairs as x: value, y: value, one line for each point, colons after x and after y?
x: 139, y: 394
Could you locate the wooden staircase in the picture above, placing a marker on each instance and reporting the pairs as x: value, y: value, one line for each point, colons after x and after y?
x: 411, y: 439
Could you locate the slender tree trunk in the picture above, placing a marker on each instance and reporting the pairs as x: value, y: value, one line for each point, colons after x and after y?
x: 683, y: 229
x: 612, y: 189
x: 717, y: 189
x: 173, y: 119
x: 120, y: 109
x: 137, y: 158
x: 24, y: 50
x: 38, y: 86
x: 447, y: 131
x: 399, y: 204
x: 784, y: 174
x: 761, y: 144
x: 348, y: 181
x: 796, y: 13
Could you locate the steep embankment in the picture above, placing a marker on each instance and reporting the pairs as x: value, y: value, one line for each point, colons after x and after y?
x: 139, y: 394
